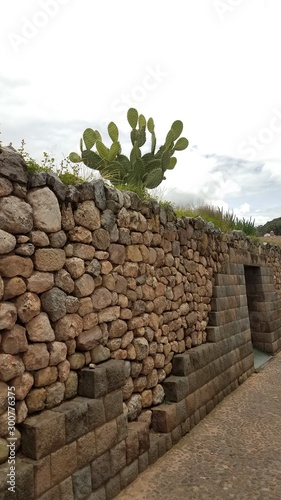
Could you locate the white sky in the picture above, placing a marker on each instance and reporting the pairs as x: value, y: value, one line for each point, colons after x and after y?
x: 214, y: 64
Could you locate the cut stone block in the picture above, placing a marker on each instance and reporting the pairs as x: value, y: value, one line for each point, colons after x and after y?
x: 176, y: 388
x: 43, y: 434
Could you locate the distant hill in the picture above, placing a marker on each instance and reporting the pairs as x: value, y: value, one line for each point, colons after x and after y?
x: 272, y: 225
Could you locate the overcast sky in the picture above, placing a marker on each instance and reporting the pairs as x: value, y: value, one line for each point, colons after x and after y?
x: 214, y: 64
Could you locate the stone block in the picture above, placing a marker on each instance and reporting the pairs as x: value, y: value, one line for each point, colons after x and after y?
x: 100, y: 470
x: 86, y: 449
x: 43, y: 434
x: 51, y: 494
x: 115, y: 371
x: 113, y: 487
x: 181, y: 412
x: 176, y: 388
x: 42, y: 475
x: 182, y: 365
x: 113, y: 404
x: 95, y: 411
x: 118, y: 457
x: 82, y: 483
x: 153, y: 452
x: 176, y: 434
x: 93, y: 382
x: 66, y: 489
x: 99, y: 494
x: 190, y: 404
x: 129, y: 474
x: 122, y: 427
x: 63, y: 462
x: 106, y: 437
x: 76, y: 419
x: 132, y: 445
x: 164, y: 418
x: 143, y: 462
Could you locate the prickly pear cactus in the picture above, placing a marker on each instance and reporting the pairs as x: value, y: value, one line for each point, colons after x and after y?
x: 144, y: 171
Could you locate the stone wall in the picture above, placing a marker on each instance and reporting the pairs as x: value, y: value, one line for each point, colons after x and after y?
x: 90, y: 274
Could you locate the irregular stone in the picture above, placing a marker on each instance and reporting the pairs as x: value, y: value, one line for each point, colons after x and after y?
x: 89, y: 338
x: 35, y: 400
x: 46, y: 376
x: 14, y: 340
x: 28, y: 306
x: 53, y: 302
x: 86, y: 306
x: 40, y: 282
x: 109, y: 314
x: 39, y: 329
x: 117, y: 253
x: 12, y: 165
x: 83, y: 251
x: 64, y: 281
x: 22, y: 385
x: 146, y: 398
x: 46, y: 210
x: 84, y: 286
x: 75, y: 266
x: 15, y: 215
x: 152, y: 379
x: 142, y: 348
x: 68, y: 327
x: 147, y: 365
x: 72, y: 304
x: 39, y: 239
x: 57, y: 351
x: 106, y: 267
x: 58, y: 240
x: 99, y: 193
x: 128, y: 388
x: 80, y: 234
x: 77, y: 361
x: 87, y: 215
x: 10, y: 367
x: 3, y: 397
x: 67, y: 218
x: 21, y: 411
x: 101, y: 239
x: 36, y: 357
x: 7, y: 241
x: 158, y: 394
x: 63, y: 370
x: 117, y: 328
x: 101, y: 298
x: 6, y: 187
x: 1, y: 288
x: 26, y: 250
x: 49, y: 259
x: 8, y: 315
x: 14, y: 265
x: 94, y: 268
x: 90, y: 320
x: 99, y: 354
x: 71, y: 385
x: 134, y: 406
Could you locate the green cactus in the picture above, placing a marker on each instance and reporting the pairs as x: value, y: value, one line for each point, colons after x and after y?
x: 144, y: 171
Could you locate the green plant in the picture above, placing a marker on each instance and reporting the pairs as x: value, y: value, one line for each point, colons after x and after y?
x: 224, y: 220
x: 67, y: 173
x: 141, y: 171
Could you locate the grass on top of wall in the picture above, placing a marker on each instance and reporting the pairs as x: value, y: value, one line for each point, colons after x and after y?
x: 224, y: 220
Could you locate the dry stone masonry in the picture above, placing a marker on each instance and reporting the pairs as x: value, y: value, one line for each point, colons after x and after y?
x: 108, y: 305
